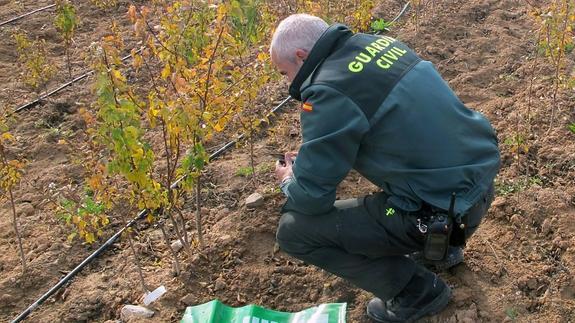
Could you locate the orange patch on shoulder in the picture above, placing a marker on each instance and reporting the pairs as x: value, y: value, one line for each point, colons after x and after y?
x: 307, y: 107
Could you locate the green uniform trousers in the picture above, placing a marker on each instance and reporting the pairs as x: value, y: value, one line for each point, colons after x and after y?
x: 364, y: 241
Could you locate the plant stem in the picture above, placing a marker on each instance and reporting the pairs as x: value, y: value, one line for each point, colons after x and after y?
x: 179, y: 234
x: 14, y: 214
x: 138, y: 266
x: 68, y: 61
x: 167, y: 240
x: 558, y: 63
x: 199, y: 213
x: 18, y: 237
x: 252, y: 162
x: 183, y: 223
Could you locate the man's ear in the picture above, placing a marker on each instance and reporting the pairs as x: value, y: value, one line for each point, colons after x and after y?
x: 301, y: 54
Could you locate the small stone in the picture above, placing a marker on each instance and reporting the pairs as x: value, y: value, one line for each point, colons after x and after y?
x: 254, y: 200
x: 177, y: 245
x: 220, y: 284
x: 188, y: 299
x: 134, y: 312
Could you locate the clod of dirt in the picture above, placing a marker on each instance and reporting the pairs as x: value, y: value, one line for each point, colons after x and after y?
x: 254, y: 200
x: 25, y: 209
x: 527, y: 283
x: 66, y: 107
x: 462, y: 296
x: 188, y: 299
x: 547, y: 226
x: 134, y: 312
x: 469, y: 315
x: 516, y: 219
x: 498, y: 202
x: 560, y: 243
x: 220, y: 284
x: 6, y: 298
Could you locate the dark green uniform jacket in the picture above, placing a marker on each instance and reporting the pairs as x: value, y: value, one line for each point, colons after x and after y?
x: 373, y: 105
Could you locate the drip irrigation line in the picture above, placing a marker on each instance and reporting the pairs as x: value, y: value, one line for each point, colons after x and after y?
x: 26, y: 15
x: 115, y: 237
x: 61, y: 87
x: 402, y: 12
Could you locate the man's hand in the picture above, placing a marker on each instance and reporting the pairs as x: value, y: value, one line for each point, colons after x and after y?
x: 284, y: 170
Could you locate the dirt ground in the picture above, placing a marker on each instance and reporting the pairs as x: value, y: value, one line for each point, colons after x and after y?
x: 519, y: 265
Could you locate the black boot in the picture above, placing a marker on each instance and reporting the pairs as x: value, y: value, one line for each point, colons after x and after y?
x: 453, y: 258
x: 425, y: 294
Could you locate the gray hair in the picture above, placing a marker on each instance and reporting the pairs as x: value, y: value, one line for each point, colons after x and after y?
x: 299, y: 31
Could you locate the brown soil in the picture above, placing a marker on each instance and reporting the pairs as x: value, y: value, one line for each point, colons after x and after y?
x: 519, y: 265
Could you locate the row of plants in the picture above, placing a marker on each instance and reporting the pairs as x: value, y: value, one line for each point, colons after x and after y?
x: 201, y: 67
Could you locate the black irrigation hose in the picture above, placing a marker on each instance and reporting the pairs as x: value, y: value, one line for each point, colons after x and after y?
x: 142, y: 213
x: 26, y: 15
x: 61, y: 87
x: 54, y: 91
x: 115, y: 237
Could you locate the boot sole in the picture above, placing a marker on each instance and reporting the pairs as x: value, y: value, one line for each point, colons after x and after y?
x: 436, y: 306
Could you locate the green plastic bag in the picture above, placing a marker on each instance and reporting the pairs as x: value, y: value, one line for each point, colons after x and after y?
x: 217, y: 312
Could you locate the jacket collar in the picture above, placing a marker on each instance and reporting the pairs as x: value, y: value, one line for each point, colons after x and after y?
x: 333, y: 38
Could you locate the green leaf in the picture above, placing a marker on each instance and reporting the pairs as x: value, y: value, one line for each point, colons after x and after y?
x: 380, y: 25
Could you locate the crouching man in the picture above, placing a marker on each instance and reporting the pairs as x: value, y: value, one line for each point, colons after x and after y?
x: 371, y: 104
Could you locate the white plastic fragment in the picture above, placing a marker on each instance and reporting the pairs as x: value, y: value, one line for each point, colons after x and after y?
x: 154, y: 295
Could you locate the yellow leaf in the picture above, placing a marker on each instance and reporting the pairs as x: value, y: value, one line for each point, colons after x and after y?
x: 90, y: 238
x: 7, y: 136
x: 262, y: 56
x: 62, y: 142
x: 166, y: 72
x: 109, y: 38
x: 94, y: 182
x: 118, y: 75
x: 105, y: 220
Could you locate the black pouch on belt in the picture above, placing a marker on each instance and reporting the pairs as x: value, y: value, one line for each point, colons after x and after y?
x: 439, y: 233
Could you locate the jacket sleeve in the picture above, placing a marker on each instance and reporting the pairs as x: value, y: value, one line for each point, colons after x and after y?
x: 332, y: 132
